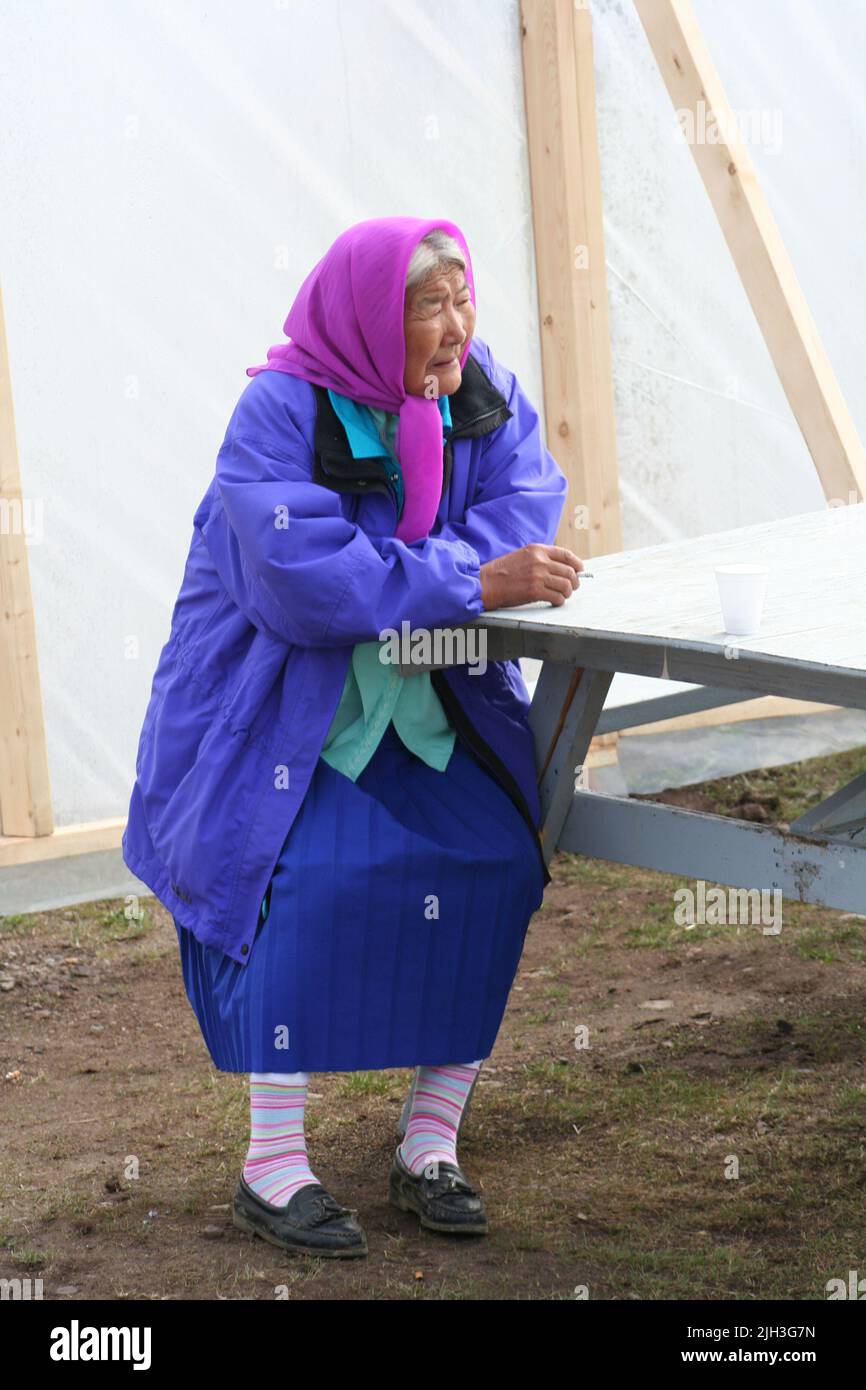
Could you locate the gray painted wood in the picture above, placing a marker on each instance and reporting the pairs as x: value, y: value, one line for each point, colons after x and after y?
x: 655, y: 612
x: 717, y: 849
x: 841, y: 817
x: 658, y: 707
x: 814, y: 609
x: 580, y: 717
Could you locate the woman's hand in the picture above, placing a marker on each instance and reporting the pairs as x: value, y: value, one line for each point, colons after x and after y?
x: 548, y: 572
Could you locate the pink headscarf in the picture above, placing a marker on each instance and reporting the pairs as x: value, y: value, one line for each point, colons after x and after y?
x: 346, y: 330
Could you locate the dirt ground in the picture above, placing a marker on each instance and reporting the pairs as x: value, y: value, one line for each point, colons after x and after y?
x: 605, y: 1168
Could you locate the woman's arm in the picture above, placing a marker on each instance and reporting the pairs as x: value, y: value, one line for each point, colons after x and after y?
x: 298, y: 569
x: 520, y: 491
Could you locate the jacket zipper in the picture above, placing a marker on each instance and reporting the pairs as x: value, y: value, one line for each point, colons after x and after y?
x: 467, y: 424
x: 478, y: 745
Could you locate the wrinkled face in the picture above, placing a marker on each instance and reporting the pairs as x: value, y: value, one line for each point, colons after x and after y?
x: 438, y: 321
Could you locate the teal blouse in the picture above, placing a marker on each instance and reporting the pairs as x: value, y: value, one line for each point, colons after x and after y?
x: 374, y: 693
x: 370, y: 433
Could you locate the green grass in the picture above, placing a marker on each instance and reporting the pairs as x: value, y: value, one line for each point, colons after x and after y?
x: 794, y: 787
x: 99, y: 925
x: 367, y: 1083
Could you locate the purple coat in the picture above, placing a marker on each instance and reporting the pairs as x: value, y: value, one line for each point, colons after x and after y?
x: 293, y: 560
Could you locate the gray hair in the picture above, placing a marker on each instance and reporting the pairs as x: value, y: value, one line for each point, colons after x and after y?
x: 435, y: 252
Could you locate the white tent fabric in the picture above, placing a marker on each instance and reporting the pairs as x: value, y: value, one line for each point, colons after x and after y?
x: 172, y: 170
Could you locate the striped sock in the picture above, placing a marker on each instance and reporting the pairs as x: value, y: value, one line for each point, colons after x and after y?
x: 438, y: 1102
x: 276, y: 1164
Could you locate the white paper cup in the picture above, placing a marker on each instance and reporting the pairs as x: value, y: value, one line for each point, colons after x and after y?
x: 741, y: 594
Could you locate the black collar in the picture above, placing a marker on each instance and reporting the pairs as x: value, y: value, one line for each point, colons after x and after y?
x: 477, y: 407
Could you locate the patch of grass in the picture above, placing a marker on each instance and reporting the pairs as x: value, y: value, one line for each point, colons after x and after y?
x: 839, y: 1038
x: 121, y: 924
x: 659, y: 1218
x: 29, y: 1259
x: 662, y: 1270
x: 797, y: 785
x: 55, y: 1203
x: 852, y: 1097
x: 97, y: 924
x: 576, y: 868
x: 637, y: 911
x: 651, y: 924
x: 367, y: 1083
x: 831, y: 940
x: 558, y: 994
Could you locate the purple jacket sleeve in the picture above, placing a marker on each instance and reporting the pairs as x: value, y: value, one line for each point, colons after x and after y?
x: 302, y: 572
x: 521, y: 489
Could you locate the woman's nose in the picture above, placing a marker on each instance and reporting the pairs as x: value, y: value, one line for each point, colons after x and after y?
x: 454, y: 329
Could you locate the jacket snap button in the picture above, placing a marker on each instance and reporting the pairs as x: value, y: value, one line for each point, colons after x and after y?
x: 244, y: 950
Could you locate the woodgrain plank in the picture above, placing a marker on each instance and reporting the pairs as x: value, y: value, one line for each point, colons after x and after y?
x: 718, y: 849
x: 89, y: 837
x: 565, y: 175
x: 756, y: 246
x: 25, y: 793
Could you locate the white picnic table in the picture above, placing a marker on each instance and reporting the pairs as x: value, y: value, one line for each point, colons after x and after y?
x: 655, y: 613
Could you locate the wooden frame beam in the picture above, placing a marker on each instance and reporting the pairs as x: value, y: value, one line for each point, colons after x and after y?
x: 559, y: 92
x: 25, y: 793
x: 759, y: 254
x: 89, y: 837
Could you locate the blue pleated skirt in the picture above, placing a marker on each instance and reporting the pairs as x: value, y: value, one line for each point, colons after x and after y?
x: 398, y: 911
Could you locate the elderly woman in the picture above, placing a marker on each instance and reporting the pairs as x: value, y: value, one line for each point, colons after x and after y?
x: 351, y: 855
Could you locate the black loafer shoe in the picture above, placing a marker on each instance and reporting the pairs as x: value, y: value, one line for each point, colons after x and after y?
x: 312, y: 1222
x: 445, y: 1202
